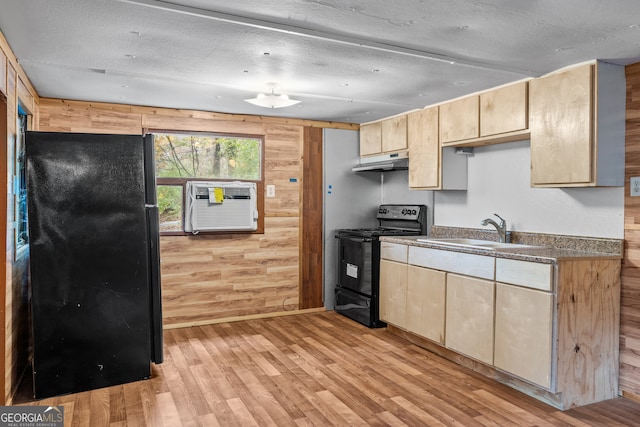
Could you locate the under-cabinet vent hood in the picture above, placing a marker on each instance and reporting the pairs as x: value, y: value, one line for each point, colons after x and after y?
x: 383, y: 162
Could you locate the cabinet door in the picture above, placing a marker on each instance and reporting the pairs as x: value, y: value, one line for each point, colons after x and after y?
x: 393, y: 292
x: 504, y: 110
x: 523, y: 333
x: 394, y: 134
x: 469, y: 318
x: 424, y: 148
x: 460, y: 119
x: 561, y: 125
x: 370, y: 139
x: 426, y: 303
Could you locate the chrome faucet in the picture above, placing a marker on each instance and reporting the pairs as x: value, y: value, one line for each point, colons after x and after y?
x: 501, y: 228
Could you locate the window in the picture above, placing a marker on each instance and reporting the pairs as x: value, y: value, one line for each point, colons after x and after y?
x: 182, y: 157
x: 21, y: 232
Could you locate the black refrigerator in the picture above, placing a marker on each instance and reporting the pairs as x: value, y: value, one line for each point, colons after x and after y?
x: 94, y: 260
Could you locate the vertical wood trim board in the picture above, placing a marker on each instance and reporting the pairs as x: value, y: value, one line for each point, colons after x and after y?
x: 311, y: 222
x: 630, y: 294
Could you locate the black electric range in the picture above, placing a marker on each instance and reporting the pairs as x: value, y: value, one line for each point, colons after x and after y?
x: 357, y: 290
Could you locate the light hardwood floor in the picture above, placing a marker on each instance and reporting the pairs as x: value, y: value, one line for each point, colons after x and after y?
x: 314, y: 370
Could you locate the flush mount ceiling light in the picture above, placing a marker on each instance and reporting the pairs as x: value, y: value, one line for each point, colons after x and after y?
x: 272, y: 100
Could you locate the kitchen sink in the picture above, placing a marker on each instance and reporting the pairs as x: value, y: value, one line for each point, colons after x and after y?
x: 475, y: 243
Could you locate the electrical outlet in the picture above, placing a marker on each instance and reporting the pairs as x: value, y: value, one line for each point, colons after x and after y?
x: 271, y: 190
x: 634, y: 183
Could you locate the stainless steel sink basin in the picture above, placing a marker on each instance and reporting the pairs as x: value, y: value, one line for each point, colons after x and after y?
x: 474, y: 243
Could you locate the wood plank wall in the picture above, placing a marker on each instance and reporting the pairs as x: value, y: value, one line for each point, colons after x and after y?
x: 212, y: 277
x: 630, y: 298
x: 208, y: 278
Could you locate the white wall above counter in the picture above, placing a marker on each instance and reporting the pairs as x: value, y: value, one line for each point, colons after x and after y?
x: 499, y: 182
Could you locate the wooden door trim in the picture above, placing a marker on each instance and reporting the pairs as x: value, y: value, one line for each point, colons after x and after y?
x: 3, y: 237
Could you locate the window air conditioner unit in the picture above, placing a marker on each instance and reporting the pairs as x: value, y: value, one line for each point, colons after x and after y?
x: 221, y: 206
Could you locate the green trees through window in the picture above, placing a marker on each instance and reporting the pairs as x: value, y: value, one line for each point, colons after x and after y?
x: 202, y: 157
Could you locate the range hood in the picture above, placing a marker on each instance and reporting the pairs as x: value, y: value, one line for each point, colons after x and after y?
x: 383, y: 162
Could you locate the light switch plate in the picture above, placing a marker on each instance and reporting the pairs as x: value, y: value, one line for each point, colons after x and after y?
x: 635, y: 186
x: 271, y: 190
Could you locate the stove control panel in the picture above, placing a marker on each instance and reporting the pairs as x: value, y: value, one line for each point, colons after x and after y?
x: 404, y: 212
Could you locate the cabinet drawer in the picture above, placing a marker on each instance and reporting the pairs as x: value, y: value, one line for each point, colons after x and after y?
x: 454, y: 262
x: 393, y: 251
x: 524, y: 273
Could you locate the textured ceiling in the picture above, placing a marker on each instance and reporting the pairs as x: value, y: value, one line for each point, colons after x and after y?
x: 348, y: 61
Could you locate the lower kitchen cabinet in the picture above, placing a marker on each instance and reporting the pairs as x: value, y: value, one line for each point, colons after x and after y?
x: 469, y: 318
x: 426, y: 293
x: 550, y: 330
x: 524, y: 333
x: 393, y: 292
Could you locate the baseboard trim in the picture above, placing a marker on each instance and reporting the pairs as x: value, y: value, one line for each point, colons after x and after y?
x: 630, y: 396
x: 240, y: 318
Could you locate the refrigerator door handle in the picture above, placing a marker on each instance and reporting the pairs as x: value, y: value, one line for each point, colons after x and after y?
x: 149, y: 167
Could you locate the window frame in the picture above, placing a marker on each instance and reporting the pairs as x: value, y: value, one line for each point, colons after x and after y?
x: 20, y: 246
x: 183, y: 182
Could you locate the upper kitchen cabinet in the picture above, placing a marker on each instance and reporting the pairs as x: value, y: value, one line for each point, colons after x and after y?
x: 384, y: 136
x: 495, y: 116
x: 459, y: 119
x: 504, y: 112
x: 394, y: 134
x: 370, y: 139
x: 432, y: 167
x: 577, y: 121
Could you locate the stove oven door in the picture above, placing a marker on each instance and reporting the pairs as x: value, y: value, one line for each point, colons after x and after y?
x: 357, y: 290
x: 355, y: 257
